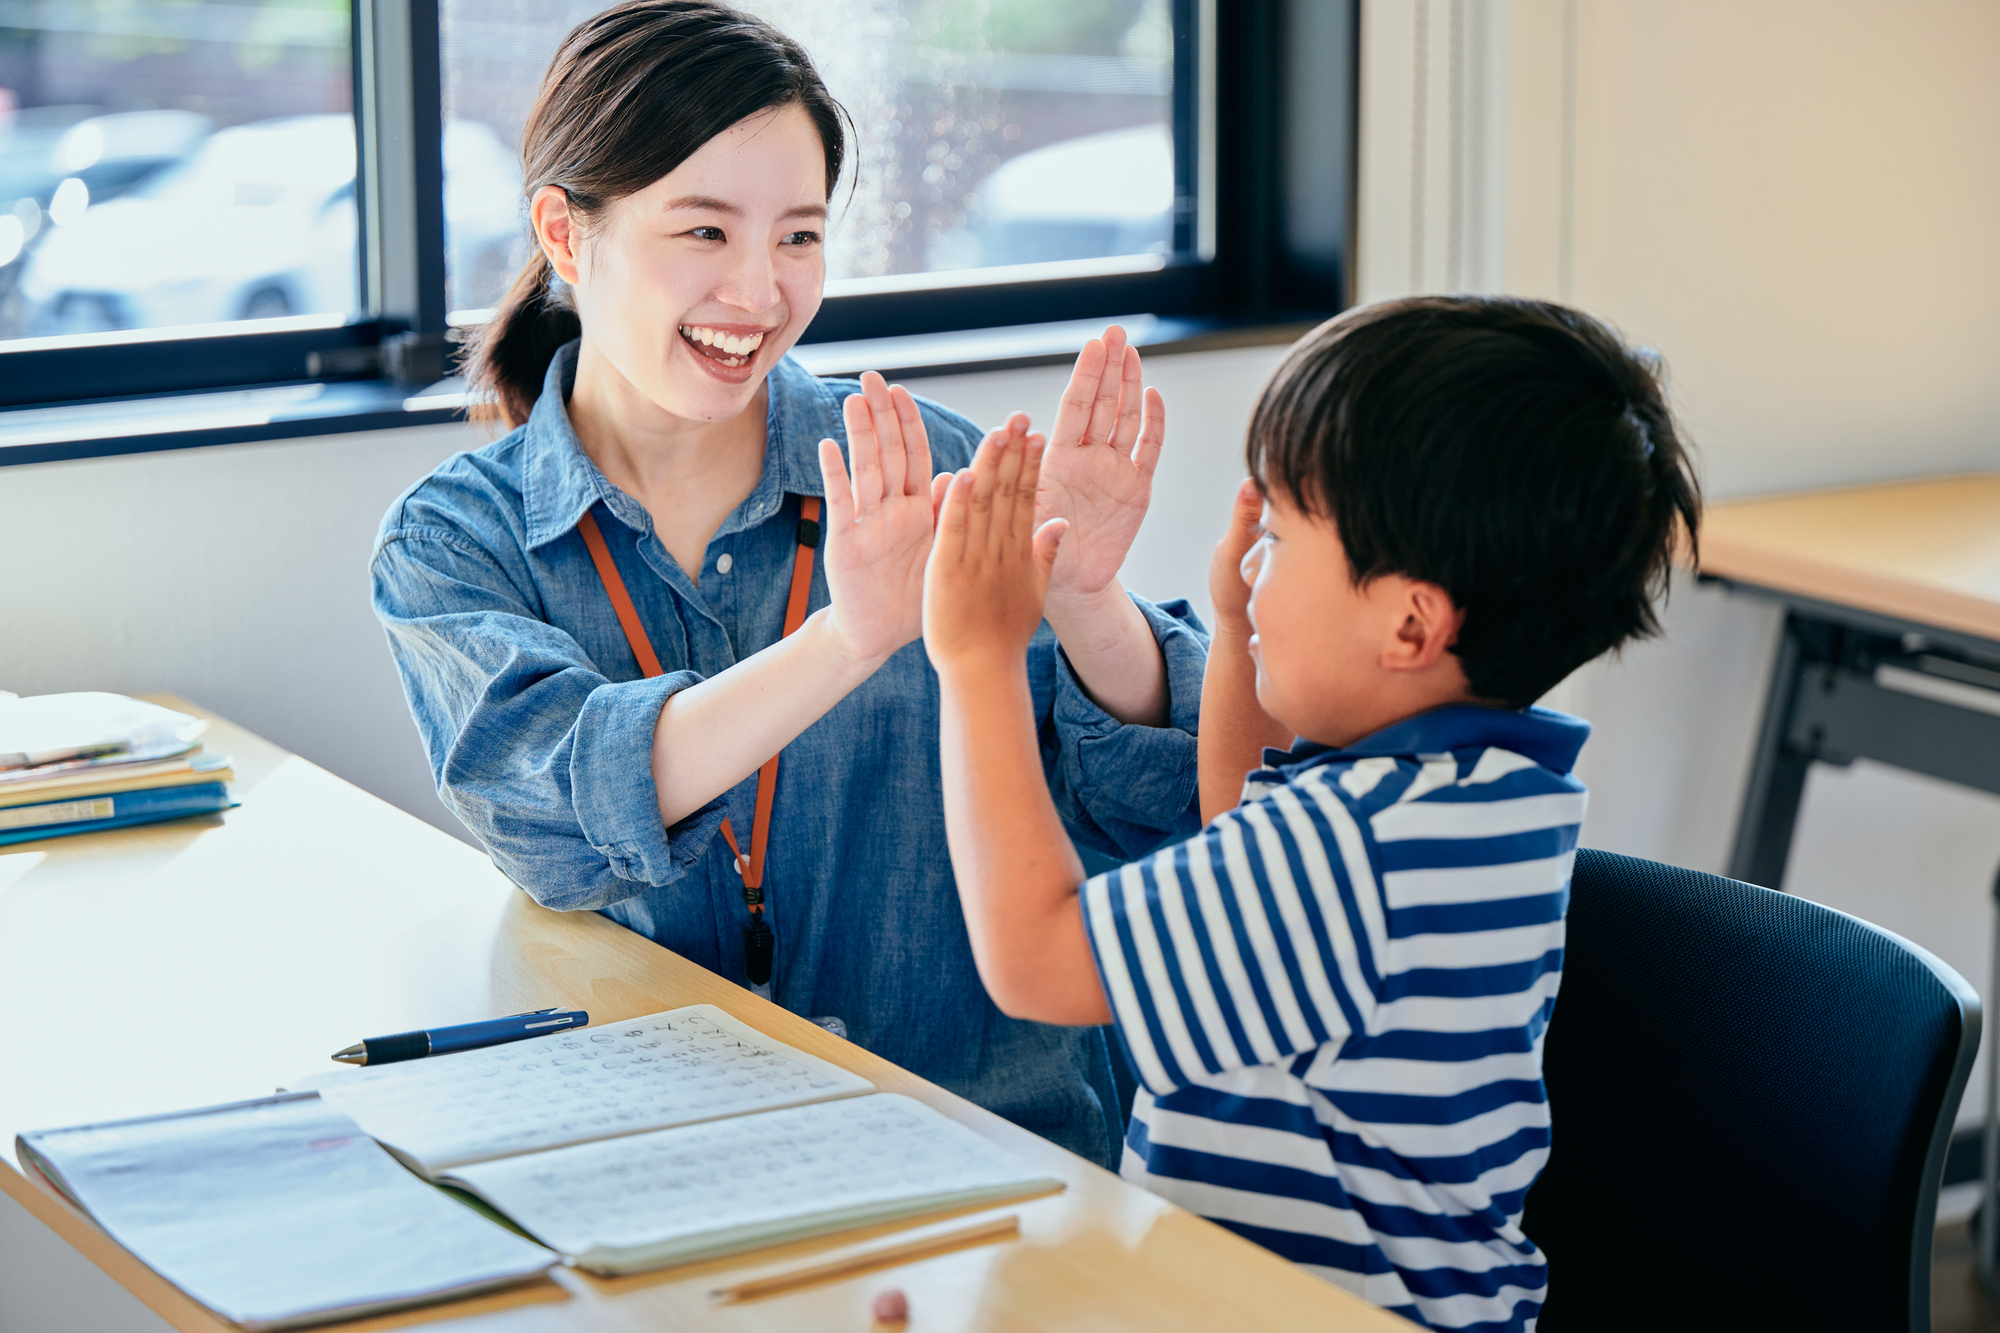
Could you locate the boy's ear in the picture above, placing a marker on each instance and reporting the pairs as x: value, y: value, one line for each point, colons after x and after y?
x: 1427, y: 627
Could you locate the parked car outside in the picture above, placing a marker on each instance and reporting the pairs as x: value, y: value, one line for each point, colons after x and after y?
x: 56, y: 162
x: 258, y: 221
x: 1096, y: 195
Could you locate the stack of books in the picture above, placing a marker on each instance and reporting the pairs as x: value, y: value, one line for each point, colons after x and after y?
x: 77, y: 763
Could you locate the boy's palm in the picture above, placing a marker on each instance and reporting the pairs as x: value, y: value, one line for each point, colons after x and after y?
x: 1228, y: 581
x: 988, y: 573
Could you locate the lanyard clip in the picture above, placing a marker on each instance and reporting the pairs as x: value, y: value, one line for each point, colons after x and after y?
x: 758, y: 944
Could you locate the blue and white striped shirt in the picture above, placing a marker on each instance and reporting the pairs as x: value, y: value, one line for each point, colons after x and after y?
x: 1334, y: 999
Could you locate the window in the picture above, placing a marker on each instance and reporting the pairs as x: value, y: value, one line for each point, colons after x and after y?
x: 166, y: 164
x: 235, y: 195
x: 1036, y: 133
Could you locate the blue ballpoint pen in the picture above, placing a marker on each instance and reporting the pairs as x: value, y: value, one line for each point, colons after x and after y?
x: 462, y: 1037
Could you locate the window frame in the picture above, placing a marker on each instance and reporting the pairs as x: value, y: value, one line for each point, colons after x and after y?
x: 1265, y: 112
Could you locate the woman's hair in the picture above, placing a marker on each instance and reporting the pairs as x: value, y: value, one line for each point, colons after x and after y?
x: 1515, y: 453
x: 632, y: 93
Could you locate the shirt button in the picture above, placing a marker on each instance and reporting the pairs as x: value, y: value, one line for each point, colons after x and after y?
x: 723, y: 562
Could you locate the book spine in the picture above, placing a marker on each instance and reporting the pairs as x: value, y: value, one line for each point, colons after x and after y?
x: 159, y: 802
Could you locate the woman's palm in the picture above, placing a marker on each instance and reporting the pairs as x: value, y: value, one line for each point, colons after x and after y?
x: 1098, y: 470
x: 879, y: 520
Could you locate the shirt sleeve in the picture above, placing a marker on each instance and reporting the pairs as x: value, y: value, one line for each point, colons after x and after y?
x: 1252, y: 943
x: 1124, y: 788
x: 545, y: 760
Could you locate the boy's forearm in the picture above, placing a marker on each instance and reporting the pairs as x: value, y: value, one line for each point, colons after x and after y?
x: 1017, y: 873
x: 1114, y: 654
x: 1235, y: 729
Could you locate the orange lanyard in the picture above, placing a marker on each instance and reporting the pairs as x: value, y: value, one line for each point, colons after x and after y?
x: 757, y: 941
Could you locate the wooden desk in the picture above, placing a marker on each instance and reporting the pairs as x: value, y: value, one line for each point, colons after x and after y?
x: 316, y: 914
x: 1891, y: 646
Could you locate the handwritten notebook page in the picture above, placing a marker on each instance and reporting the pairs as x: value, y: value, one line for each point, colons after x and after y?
x: 674, y: 1068
x: 277, y: 1213
x: 730, y: 1185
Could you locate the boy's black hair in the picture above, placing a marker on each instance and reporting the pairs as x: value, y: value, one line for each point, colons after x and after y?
x: 1515, y: 453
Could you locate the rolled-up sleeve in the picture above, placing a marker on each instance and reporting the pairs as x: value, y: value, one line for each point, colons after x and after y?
x: 545, y: 760
x: 1123, y: 788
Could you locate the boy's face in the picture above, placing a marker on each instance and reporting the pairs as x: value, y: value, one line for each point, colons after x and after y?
x: 1337, y: 661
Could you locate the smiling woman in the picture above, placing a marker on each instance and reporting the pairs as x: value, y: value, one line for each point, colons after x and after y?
x: 614, y: 622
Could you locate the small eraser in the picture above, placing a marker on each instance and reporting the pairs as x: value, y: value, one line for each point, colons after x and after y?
x: 892, y: 1306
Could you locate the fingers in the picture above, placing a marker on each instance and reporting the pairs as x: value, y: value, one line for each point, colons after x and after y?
x: 954, y: 516
x: 1131, y: 400
x: 892, y: 453
x: 1021, y: 530
x: 1103, y: 427
x: 864, y: 448
x: 1079, y: 395
x: 1152, y: 434
x: 1047, y: 539
x: 1247, y: 509
x: 916, y: 441
x: 839, y: 493
x: 939, y: 485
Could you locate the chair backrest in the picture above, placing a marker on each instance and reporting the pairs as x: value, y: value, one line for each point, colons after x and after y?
x: 1752, y: 1096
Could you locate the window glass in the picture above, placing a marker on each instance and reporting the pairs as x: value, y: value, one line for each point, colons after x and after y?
x: 991, y: 132
x: 174, y: 162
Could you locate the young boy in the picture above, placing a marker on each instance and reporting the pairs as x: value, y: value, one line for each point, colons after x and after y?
x: 1335, y: 995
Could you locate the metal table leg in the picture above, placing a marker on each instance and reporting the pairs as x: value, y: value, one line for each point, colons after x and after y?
x: 1777, y: 774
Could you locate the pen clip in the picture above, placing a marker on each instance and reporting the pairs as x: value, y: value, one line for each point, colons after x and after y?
x: 532, y: 1012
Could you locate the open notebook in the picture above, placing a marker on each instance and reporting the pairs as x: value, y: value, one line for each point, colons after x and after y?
x: 276, y: 1213
x: 677, y: 1136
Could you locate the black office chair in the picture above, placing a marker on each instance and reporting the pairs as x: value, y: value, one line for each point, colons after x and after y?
x: 1752, y: 1095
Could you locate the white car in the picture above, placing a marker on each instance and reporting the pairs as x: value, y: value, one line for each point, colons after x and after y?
x: 1110, y: 193
x: 258, y: 221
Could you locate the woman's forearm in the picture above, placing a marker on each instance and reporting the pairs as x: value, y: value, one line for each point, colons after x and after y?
x: 1114, y: 654
x: 1235, y: 729
x: 713, y: 735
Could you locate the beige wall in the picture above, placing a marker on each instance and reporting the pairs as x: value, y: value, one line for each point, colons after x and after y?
x: 1795, y: 201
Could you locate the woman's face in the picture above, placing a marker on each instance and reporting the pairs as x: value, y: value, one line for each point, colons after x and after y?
x: 693, y: 287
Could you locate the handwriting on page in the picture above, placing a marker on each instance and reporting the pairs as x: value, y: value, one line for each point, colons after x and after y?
x: 751, y: 1172
x: 666, y: 1069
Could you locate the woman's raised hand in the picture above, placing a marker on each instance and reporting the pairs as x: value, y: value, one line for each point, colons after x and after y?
x: 1098, y: 469
x: 879, y: 521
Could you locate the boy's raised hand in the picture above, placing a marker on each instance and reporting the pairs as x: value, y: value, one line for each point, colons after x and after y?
x: 1228, y: 581
x: 879, y: 520
x: 989, y: 565
x: 1098, y: 471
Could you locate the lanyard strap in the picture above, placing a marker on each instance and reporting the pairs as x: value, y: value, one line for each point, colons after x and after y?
x: 752, y: 866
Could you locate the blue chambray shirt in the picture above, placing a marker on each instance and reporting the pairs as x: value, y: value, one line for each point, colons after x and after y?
x: 539, y: 727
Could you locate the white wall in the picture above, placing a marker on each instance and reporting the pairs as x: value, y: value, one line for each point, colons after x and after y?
x: 236, y: 576
x: 1793, y: 201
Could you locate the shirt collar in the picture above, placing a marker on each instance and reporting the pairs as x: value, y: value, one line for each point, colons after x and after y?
x: 1550, y: 738
x: 560, y: 484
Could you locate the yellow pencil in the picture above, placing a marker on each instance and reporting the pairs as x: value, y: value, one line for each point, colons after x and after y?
x: 984, y: 1233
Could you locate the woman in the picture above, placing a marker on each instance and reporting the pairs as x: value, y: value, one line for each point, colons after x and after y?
x: 680, y: 159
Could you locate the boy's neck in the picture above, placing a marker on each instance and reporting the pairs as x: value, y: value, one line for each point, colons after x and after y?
x: 1353, y: 726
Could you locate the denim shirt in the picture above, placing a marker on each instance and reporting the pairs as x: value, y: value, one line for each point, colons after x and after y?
x: 539, y: 726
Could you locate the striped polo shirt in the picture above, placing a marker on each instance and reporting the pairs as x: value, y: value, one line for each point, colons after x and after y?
x: 1334, y: 999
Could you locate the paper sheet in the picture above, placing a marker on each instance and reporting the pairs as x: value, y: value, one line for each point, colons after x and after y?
x: 674, y: 1068
x: 279, y: 1212
x: 729, y: 1185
